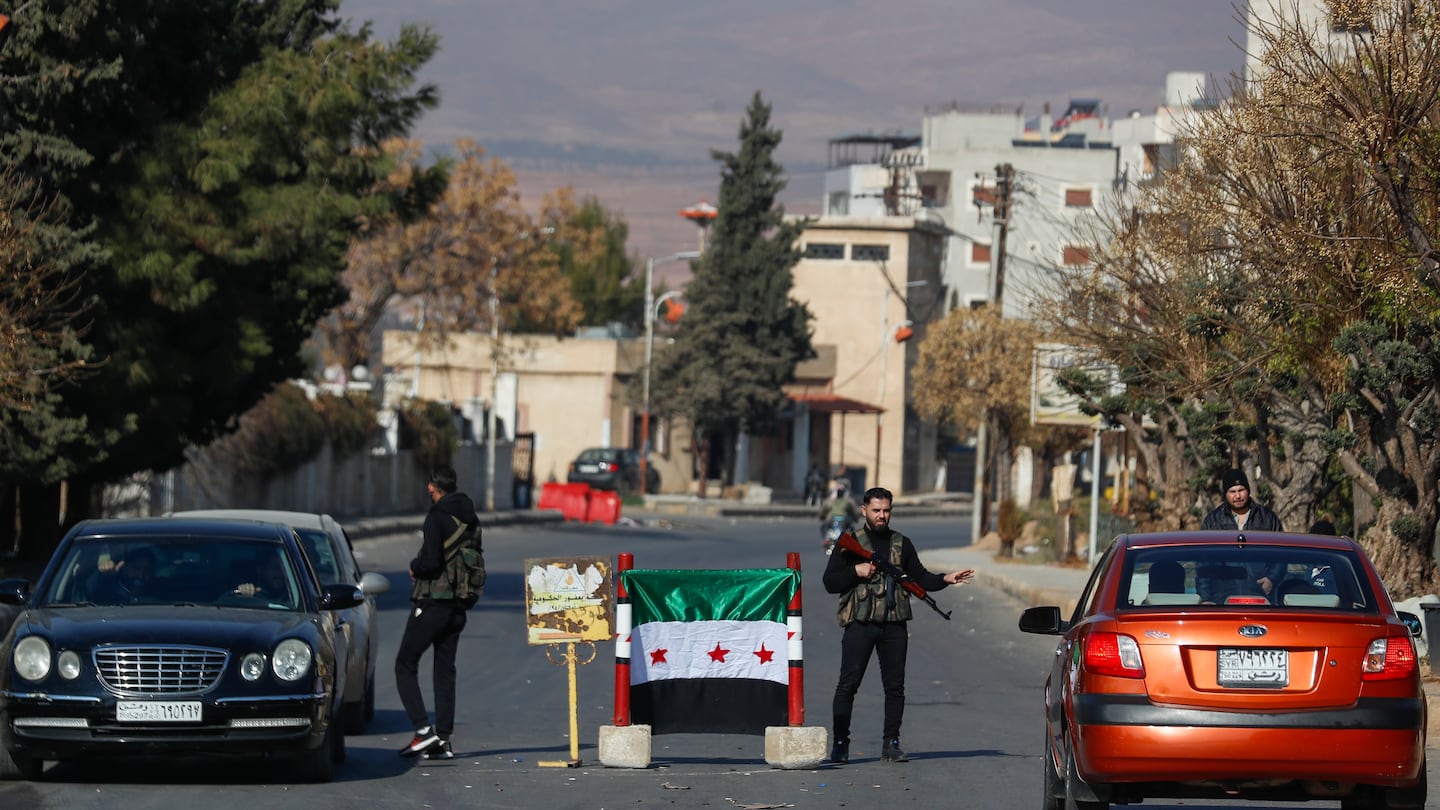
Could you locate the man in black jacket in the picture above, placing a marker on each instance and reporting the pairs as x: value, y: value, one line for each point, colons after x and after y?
x: 873, y: 610
x: 436, y: 620
x: 1242, y: 513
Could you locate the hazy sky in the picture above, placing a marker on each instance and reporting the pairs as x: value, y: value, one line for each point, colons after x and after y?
x: 640, y: 84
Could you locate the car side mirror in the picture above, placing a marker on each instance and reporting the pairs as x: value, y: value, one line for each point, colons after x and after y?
x: 14, y: 591
x: 1043, y: 620
x: 1412, y: 622
x: 372, y: 583
x: 339, y: 597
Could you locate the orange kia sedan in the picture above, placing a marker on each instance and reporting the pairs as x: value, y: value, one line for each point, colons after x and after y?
x: 1209, y: 664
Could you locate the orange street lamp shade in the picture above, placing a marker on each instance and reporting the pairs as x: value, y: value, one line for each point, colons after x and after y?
x: 674, y: 310
x: 903, y: 334
x: 701, y: 213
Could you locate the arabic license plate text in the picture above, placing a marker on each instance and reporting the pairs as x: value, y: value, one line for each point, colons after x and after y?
x: 589, y: 468
x: 158, y: 711
x: 1254, y: 668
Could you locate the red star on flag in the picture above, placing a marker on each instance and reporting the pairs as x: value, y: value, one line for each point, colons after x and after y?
x: 764, y: 655
x: 657, y: 656
x: 718, y: 654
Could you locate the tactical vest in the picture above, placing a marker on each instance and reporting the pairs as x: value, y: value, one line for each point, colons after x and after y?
x: 867, y: 601
x: 462, y: 579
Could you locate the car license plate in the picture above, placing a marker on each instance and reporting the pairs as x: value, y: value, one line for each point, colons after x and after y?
x: 588, y: 468
x: 158, y: 711
x: 1254, y: 668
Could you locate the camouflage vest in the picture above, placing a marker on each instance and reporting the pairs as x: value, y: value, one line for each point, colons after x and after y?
x: 866, y: 602
x: 462, y: 580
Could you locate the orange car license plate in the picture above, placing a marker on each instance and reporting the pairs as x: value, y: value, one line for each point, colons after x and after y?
x: 1253, y: 668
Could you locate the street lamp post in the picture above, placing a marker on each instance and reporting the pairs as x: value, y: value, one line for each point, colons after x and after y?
x: 650, y: 306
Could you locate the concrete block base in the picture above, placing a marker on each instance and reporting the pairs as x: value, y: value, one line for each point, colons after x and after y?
x: 796, y: 747
x: 625, y: 746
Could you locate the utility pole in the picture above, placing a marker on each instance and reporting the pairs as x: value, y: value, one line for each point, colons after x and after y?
x: 1004, y: 193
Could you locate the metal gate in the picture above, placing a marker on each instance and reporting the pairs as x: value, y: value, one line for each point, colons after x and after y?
x: 523, y: 466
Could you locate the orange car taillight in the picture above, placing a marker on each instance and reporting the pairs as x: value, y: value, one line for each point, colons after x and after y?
x: 1388, y: 659
x: 1113, y: 654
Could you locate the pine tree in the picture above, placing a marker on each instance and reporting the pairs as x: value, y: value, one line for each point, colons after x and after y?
x: 742, y: 334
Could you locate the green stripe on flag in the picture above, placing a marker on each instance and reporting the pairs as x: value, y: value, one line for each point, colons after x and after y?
x: 682, y: 595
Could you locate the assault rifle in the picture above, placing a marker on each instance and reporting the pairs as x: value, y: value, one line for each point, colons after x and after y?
x: 848, y: 543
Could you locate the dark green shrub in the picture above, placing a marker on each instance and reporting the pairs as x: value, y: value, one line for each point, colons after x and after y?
x: 350, y: 421
x: 428, y: 429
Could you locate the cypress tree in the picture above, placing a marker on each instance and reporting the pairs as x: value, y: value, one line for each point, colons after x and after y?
x: 742, y: 334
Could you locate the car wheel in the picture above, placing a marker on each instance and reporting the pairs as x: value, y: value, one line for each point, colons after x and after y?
x: 318, y: 764
x: 1072, y: 785
x: 1054, y: 795
x: 354, y: 714
x: 20, y: 766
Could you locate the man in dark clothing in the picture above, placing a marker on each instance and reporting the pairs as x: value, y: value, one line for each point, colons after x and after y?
x: 434, y: 622
x: 873, y: 611
x: 1241, y: 513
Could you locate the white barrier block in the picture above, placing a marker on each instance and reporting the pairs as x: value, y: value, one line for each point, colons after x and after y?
x: 796, y: 747
x: 625, y: 746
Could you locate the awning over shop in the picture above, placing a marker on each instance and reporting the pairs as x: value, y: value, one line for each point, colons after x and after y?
x: 825, y: 402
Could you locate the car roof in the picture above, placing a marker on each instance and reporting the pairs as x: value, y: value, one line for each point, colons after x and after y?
x: 298, y: 520
x: 1230, y: 538
x: 193, y: 526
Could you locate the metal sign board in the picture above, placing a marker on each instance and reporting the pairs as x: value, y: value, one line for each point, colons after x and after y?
x: 568, y: 599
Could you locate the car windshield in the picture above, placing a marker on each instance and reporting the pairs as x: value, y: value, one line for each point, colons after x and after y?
x: 595, y: 455
x: 322, y: 555
x: 1236, y: 575
x: 168, y: 570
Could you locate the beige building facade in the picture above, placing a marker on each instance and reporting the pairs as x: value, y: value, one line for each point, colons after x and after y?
x: 873, y: 285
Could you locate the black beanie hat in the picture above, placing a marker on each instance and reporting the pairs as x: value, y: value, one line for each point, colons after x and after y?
x: 1233, y: 478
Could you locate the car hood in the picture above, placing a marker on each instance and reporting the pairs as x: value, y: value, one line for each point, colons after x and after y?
x: 84, y: 627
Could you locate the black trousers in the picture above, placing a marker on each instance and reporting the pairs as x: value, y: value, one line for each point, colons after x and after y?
x: 889, y: 641
x: 437, y: 625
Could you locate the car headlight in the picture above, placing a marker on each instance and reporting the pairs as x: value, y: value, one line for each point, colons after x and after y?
x: 291, y: 660
x: 69, y: 665
x: 252, y: 667
x: 32, y: 658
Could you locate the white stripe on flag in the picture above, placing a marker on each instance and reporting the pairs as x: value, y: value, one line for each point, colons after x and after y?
x: 720, y: 649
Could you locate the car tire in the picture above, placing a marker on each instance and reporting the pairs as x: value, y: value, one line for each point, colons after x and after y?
x: 20, y: 766
x: 370, y: 698
x: 1054, y: 795
x: 318, y: 764
x: 354, y: 714
x: 1072, y: 780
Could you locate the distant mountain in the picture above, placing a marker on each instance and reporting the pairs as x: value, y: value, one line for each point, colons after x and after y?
x: 610, y: 86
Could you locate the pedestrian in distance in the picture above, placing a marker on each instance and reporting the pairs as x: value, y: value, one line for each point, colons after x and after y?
x: 839, y: 514
x: 436, y: 619
x: 1241, y: 513
x: 814, y: 486
x: 873, y: 610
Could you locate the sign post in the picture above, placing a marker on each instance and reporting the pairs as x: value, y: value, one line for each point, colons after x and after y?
x: 568, y: 601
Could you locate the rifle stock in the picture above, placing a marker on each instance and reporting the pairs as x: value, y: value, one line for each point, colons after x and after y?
x: 847, y: 542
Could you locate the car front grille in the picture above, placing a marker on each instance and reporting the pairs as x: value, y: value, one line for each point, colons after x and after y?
x: 160, y: 670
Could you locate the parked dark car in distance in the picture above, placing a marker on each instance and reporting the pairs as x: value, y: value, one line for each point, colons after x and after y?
x: 139, y: 639
x: 333, y: 556
x: 612, y: 468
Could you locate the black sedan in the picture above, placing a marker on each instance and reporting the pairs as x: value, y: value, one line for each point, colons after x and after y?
x: 174, y: 635
x: 612, y: 468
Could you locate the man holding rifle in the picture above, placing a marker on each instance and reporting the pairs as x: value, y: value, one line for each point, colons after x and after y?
x: 876, y: 572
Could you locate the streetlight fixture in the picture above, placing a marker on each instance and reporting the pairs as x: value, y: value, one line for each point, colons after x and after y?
x: 490, y: 421
x: 651, y: 305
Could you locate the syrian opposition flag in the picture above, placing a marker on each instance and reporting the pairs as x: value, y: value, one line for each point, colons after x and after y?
x: 709, y: 649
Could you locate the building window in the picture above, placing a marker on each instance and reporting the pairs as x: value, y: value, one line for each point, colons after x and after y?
x: 824, y: 250
x: 1351, y: 16
x: 839, y: 203
x: 870, y: 253
x: 1075, y: 254
x: 1077, y: 198
x: 979, y: 253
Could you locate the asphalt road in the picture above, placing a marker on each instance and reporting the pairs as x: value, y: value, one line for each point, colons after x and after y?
x: 973, y: 724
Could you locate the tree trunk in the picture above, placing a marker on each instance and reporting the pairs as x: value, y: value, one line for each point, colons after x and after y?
x: 1407, y: 570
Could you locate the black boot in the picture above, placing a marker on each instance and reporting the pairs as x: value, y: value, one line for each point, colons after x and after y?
x: 840, y: 751
x: 890, y: 752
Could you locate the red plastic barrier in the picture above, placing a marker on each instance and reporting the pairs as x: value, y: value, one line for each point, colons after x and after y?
x: 575, y: 501
x: 604, y: 507
x: 552, y: 496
